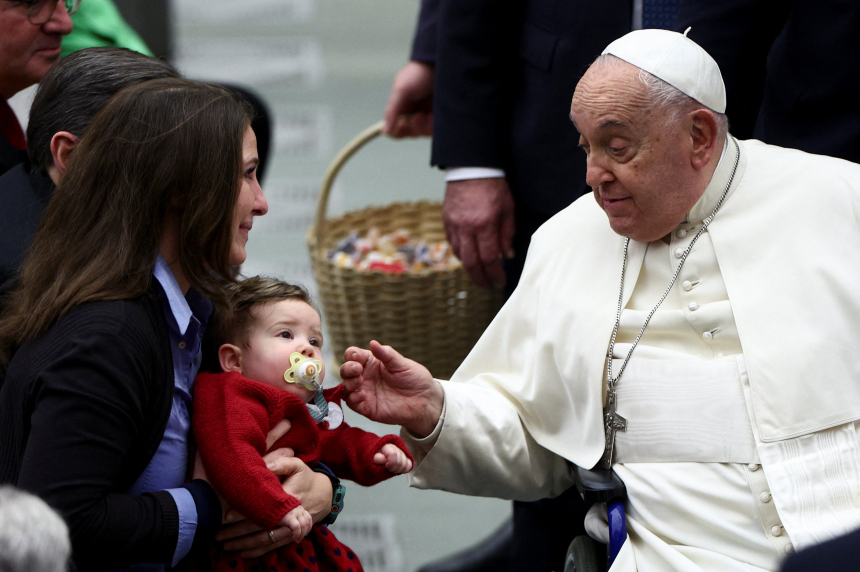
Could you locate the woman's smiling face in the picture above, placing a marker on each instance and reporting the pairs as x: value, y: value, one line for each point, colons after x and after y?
x: 250, y: 201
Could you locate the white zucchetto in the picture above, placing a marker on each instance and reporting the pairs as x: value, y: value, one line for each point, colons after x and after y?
x: 677, y: 60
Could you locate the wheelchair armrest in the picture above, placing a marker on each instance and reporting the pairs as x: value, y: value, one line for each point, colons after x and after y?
x: 599, y: 485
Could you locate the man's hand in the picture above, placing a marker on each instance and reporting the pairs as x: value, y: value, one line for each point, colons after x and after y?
x: 384, y: 386
x: 479, y: 222
x: 298, y: 521
x: 393, y: 458
x: 409, y: 112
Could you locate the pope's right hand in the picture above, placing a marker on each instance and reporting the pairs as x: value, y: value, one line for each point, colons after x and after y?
x: 386, y: 387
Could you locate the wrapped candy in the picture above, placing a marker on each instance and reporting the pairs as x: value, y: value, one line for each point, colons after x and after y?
x: 392, y: 253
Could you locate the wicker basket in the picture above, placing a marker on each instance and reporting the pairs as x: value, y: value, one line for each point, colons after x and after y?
x: 434, y: 317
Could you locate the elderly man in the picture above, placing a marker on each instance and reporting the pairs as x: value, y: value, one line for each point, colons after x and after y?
x: 723, y: 291
x: 31, y: 32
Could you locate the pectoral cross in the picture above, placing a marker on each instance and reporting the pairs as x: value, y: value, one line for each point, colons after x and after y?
x: 612, y: 422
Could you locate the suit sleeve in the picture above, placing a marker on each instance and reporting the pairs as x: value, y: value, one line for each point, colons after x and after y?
x: 738, y: 34
x: 424, y: 43
x: 231, y: 422
x: 477, y: 45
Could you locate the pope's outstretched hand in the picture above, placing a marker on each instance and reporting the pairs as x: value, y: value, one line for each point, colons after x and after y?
x: 386, y: 387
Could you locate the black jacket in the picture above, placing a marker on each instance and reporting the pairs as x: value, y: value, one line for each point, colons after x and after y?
x: 505, y: 75
x: 791, y: 67
x: 9, y: 155
x: 82, y: 411
x: 24, y: 195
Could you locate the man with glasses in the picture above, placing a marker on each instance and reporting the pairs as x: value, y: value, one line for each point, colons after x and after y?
x: 31, y: 32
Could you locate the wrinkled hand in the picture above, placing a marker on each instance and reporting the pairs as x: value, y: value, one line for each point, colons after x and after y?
x: 394, y: 459
x: 409, y: 112
x: 479, y: 222
x: 299, y: 522
x: 384, y: 386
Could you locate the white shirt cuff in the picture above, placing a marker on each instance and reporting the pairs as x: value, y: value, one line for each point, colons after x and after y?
x: 464, y: 173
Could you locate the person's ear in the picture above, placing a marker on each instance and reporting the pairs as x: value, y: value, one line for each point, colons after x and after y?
x: 230, y: 357
x: 704, y: 130
x: 62, y: 144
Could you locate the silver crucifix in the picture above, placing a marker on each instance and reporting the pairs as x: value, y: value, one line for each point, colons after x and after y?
x: 612, y: 422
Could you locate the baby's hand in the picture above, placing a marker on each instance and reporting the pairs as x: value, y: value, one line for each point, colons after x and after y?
x: 299, y: 522
x: 393, y: 458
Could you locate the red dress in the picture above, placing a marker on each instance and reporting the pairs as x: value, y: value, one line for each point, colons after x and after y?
x: 232, y: 417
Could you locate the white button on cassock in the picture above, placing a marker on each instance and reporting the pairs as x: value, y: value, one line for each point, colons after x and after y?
x: 789, y: 549
x: 693, y: 306
x: 708, y: 336
x: 682, y: 233
x: 776, y: 530
x: 679, y: 252
x: 753, y: 467
x: 765, y: 497
x: 687, y: 285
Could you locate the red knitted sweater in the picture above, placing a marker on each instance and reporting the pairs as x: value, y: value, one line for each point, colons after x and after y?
x: 232, y: 416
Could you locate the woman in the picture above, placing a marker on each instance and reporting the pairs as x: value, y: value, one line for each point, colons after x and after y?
x: 100, y: 341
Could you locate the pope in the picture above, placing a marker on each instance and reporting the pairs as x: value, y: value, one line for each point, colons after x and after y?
x: 702, y: 343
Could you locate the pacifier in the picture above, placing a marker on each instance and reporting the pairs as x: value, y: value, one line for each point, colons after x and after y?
x: 305, y: 371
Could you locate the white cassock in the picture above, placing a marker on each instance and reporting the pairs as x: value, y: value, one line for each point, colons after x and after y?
x: 741, y: 398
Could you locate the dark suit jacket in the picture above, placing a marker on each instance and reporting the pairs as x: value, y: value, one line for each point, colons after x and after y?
x: 837, y: 555
x: 9, y: 155
x: 505, y: 74
x: 791, y: 67
x: 24, y: 196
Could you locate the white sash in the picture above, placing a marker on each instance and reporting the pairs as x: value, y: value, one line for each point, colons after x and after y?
x: 682, y: 410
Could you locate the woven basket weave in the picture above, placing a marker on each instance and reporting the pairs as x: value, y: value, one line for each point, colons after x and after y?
x: 434, y: 317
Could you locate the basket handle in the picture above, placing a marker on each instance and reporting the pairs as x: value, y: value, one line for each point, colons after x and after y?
x: 334, y: 168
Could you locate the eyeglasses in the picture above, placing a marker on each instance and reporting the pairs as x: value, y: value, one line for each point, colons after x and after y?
x: 40, y: 11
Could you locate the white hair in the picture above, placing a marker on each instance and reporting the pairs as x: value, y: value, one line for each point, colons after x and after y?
x: 668, y: 97
x: 33, y: 537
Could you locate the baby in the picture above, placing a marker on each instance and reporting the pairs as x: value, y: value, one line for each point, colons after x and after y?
x: 270, y: 353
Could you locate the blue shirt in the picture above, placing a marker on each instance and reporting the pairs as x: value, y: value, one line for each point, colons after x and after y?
x: 187, y: 316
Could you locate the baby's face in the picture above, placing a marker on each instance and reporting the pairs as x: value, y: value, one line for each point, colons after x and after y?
x: 280, y: 329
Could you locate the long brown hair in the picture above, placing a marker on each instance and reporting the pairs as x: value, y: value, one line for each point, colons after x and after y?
x: 163, y: 144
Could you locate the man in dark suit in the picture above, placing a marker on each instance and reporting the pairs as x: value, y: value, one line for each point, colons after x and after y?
x: 792, y: 69
x: 504, y: 74
x: 30, y: 36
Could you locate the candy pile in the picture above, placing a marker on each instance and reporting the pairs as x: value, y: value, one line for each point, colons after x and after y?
x: 394, y: 253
